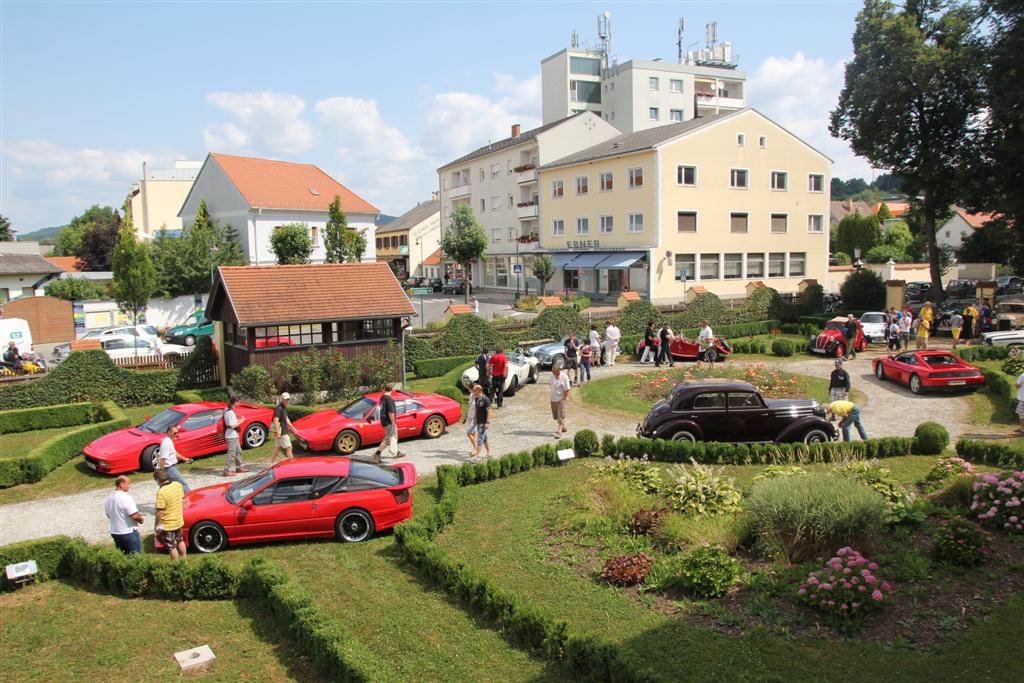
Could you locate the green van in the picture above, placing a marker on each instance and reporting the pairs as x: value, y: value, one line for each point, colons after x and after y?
x: 195, y: 326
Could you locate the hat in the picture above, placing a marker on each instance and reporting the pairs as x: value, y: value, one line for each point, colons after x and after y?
x: 286, y: 396
x: 839, y: 361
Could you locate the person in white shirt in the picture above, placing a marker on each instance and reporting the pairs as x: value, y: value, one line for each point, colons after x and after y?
x: 1020, y: 400
x: 611, y: 342
x: 231, y: 424
x: 559, y: 391
x: 124, y: 516
x: 595, y: 344
x: 475, y: 303
x: 706, y: 336
x: 169, y: 458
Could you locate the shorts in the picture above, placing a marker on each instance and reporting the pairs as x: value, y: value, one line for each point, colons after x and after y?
x: 558, y: 410
x: 283, y: 441
x: 1020, y: 408
x: 571, y: 363
x: 470, y: 427
x: 170, y: 538
x: 481, y: 434
x: 955, y: 332
x: 837, y: 394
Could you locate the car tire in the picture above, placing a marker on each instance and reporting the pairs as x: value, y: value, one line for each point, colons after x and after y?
x: 434, y: 426
x: 711, y: 355
x: 147, y: 461
x: 816, y: 435
x: 254, y: 436
x: 513, y: 387
x: 558, y: 362
x: 838, y: 351
x: 346, y: 442
x: 353, y: 526
x: 190, y: 340
x: 207, y: 537
x: 915, y: 384
x: 532, y: 379
x: 880, y: 372
x: 684, y: 435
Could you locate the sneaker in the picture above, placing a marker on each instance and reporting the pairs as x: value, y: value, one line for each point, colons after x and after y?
x: 229, y: 474
x: 243, y: 469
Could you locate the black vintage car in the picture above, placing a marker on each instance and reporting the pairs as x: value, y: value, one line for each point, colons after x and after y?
x: 736, y: 412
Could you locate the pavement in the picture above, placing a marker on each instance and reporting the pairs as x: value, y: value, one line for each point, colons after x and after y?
x: 431, y: 307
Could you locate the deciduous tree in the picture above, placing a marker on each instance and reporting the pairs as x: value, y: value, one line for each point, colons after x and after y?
x: 291, y: 243
x: 464, y: 240
x: 76, y: 289
x: 134, y: 280
x: 95, y: 254
x: 337, y: 224
x: 543, y: 270
x: 6, y: 234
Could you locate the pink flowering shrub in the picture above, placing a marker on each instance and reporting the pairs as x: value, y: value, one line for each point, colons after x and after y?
x: 997, y: 501
x: 945, y: 469
x: 962, y: 542
x: 846, y: 588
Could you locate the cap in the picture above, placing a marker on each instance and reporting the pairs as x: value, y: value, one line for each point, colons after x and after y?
x: 286, y: 396
x: 839, y: 361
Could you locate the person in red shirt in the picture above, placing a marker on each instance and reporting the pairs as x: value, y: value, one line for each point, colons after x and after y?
x: 498, y: 363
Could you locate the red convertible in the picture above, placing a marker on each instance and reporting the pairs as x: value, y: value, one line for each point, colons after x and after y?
x: 689, y: 349
x: 935, y: 370
x: 318, y: 497
x: 358, y: 424
x: 832, y: 340
x: 200, y: 432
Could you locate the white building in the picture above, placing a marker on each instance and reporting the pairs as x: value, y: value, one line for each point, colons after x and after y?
x: 959, y: 227
x: 258, y: 195
x: 23, y: 272
x: 156, y: 199
x: 409, y: 239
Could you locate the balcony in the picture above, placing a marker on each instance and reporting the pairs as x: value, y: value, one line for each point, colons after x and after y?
x: 528, y: 210
x: 523, y: 245
x: 526, y: 174
x: 709, y: 101
x: 459, y: 191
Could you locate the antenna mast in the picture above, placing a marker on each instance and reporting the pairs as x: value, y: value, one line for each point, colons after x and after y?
x: 604, y: 35
x: 680, y: 45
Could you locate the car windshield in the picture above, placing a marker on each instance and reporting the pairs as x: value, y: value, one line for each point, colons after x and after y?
x: 941, y: 359
x: 159, y: 423
x: 244, y: 488
x: 150, y: 330
x: 872, y: 318
x: 1010, y: 308
x: 356, y: 410
x: 834, y: 326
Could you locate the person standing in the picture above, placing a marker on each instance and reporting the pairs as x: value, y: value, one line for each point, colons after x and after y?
x: 168, y: 458
x: 649, y: 350
x: 233, y: 461
x: 839, y: 383
x: 586, y: 360
x: 480, y: 406
x: 558, y: 393
x: 970, y: 320
x: 572, y: 362
x: 170, y: 497
x: 893, y: 330
x: 850, y: 332
x: 475, y: 304
x: 1020, y: 400
x: 482, y: 371
x: 612, y: 334
x: 280, y: 427
x: 956, y: 323
x: 498, y: 365
x: 906, y: 321
x: 470, y: 419
x: 849, y: 414
x: 595, y: 345
x: 928, y: 317
x: 986, y: 319
x: 706, y: 336
x: 665, y: 347
x: 124, y: 516
x: 389, y: 421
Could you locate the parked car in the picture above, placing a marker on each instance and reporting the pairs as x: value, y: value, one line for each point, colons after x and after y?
x: 414, y: 282
x: 358, y: 424
x: 141, y: 331
x: 200, y: 432
x: 263, y: 343
x: 1004, y: 338
x: 127, y: 346
x: 321, y: 497
x: 551, y: 354
x: 436, y: 284
x: 689, y: 349
x: 961, y: 289
x: 873, y: 324
x: 917, y: 292
x: 194, y: 326
x: 736, y: 412
x: 1012, y: 312
x: 831, y: 341
x: 1009, y: 284
x: 522, y: 369
x: 455, y: 287
x: 924, y: 370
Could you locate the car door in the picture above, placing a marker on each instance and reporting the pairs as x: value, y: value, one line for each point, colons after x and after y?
x: 709, y: 411
x: 116, y: 347
x: 199, y: 434
x: 410, y: 416
x: 323, y: 512
x: 371, y: 431
x: 905, y: 365
x: 749, y: 417
x: 281, y: 510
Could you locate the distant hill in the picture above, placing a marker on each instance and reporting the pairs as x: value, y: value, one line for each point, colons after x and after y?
x: 384, y: 219
x: 43, y: 234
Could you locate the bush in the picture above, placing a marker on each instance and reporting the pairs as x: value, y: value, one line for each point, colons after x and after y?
x: 678, y: 532
x: 254, y: 383
x: 30, y: 419
x: 49, y: 554
x: 945, y: 469
x: 997, y: 501
x: 608, y: 448
x: 558, y: 322
x: 707, y: 572
x: 453, y: 393
x: 627, y: 570
x: 1014, y: 364
x: 200, y: 366
x: 758, y: 305
x: 705, y: 306
x: 863, y: 290
x: 435, y: 367
x: 702, y: 490
x: 801, y: 518
x: 990, y: 453
x: 634, y: 317
x: 641, y: 474
x: 846, y: 588
x: 464, y: 334
x: 932, y: 438
x: 898, y: 497
x: 585, y: 443
x: 645, y: 521
x: 300, y: 373
x: 782, y: 347
x: 417, y: 348
x: 961, y: 542
x: 957, y: 493
x: 976, y: 353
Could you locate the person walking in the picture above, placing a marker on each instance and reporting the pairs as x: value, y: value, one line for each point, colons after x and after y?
x: 475, y: 304
x: 649, y: 346
x: 586, y: 360
x: 706, y: 336
x: 595, y: 345
x: 572, y: 362
x: 839, y: 383
x: 482, y: 371
x: 498, y: 365
x: 482, y: 411
x: 612, y: 334
x: 388, y: 420
x: 558, y: 393
x: 956, y: 324
x: 850, y: 332
x: 849, y: 416
x: 280, y: 427
x: 124, y: 516
x: 469, y: 419
x: 665, y: 348
x: 170, y: 500
x: 168, y: 458
x: 928, y: 318
x: 906, y: 321
x: 970, y: 321
x: 233, y: 461
x: 1020, y: 400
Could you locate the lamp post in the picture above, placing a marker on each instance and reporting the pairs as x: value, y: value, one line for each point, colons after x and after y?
x: 512, y: 235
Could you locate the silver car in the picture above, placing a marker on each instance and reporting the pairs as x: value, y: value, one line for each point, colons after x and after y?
x: 873, y: 323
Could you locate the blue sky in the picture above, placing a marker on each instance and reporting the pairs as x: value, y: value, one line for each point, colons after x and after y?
x: 377, y: 94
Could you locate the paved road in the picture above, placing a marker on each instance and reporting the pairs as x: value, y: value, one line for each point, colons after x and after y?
x: 431, y: 307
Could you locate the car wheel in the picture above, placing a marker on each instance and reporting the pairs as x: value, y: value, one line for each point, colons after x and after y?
x: 816, y: 436
x: 880, y: 372
x: 838, y: 351
x: 513, y: 387
x: 190, y: 340
x: 148, y: 459
x: 558, y: 362
x: 711, y: 355
x: 346, y: 442
x: 684, y: 435
x: 915, y: 384
x: 532, y: 379
x: 208, y: 537
x: 353, y: 526
x: 434, y: 427
x: 255, y: 436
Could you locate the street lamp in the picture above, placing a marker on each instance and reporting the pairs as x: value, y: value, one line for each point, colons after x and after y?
x: 513, y: 236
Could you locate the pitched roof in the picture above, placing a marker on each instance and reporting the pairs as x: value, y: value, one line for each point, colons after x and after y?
x: 411, y: 218
x: 896, y: 207
x: 25, y: 264
x: 841, y: 208
x: 552, y: 301
x: 507, y: 142
x: 434, y: 259
x: 975, y: 220
x: 272, y: 184
x: 265, y: 295
x: 459, y: 309
x: 69, y: 264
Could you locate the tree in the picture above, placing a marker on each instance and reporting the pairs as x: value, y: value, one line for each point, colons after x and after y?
x: 857, y: 232
x: 353, y: 245
x: 75, y: 289
x: 337, y: 224
x: 464, y: 241
x: 134, y: 275
x: 995, y: 242
x: 69, y: 240
x: 97, y: 249
x: 898, y: 235
x: 883, y: 252
x: 229, y: 252
x: 291, y: 243
x: 6, y: 234
x: 863, y: 290
x: 543, y: 270
x: 883, y: 213
x: 911, y: 100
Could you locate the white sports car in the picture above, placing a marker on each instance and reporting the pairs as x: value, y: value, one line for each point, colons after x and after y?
x: 1004, y: 338
x: 522, y: 369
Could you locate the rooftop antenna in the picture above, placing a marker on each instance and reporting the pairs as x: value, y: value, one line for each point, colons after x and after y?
x: 574, y: 40
x: 604, y: 33
x: 680, y: 45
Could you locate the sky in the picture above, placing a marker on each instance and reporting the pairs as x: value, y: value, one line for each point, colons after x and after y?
x: 378, y: 94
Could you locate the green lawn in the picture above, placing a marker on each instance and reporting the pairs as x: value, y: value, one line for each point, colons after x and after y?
x: 20, y: 443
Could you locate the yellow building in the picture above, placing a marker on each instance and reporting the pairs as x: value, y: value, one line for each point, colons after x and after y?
x: 406, y: 241
x: 157, y: 198
x: 717, y: 202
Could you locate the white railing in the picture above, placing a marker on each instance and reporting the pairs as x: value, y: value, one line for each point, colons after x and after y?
x: 460, y: 191
x: 528, y: 211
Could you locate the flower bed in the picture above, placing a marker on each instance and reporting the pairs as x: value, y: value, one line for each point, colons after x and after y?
x: 769, y: 380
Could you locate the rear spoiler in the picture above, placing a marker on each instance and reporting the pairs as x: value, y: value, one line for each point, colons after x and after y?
x: 408, y: 471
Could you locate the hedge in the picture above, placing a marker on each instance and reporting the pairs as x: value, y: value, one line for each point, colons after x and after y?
x: 974, y: 353
x: 710, y: 452
x: 29, y: 419
x: 990, y: 453
x: 435, y: 367
x: 200, y: 395
x: 1002, y: 385
x: 49, y: 554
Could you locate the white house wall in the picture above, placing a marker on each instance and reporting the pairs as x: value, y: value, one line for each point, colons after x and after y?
x: 262, y: 225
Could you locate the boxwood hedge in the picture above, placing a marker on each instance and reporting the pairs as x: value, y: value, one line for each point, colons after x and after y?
x: 990, y: 453
x: 49, y: 554
x: 29, y: 419
x: 435, y: 367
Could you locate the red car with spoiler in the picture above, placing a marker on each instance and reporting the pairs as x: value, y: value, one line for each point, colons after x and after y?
x: 929, y: 370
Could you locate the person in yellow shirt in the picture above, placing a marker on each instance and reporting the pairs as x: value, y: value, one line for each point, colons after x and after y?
x: 924, y: 327
x: 970, y: 320
x: 849, y: 416
x: 170, y: 517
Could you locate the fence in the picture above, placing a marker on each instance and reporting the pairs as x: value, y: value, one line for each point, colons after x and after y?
x: 150, y: 362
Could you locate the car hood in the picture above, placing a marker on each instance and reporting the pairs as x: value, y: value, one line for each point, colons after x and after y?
x: 546, y: 349
x: 321, y: 420
x: 129, y: 439
x: 783, y: 403
x: 206, y: 499
x: 1011, y: 334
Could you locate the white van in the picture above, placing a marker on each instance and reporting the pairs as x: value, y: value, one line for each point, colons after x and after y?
x: 16, y: 330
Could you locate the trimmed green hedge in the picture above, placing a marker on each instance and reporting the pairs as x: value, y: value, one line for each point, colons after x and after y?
x: 200, y: 395
x: 49, y: 554
x: 435, y: 367
x: 1002, y: 385
x: 29, y: 419
x: 974, y: 353
x: 990, y: 453
x: 711, y: 452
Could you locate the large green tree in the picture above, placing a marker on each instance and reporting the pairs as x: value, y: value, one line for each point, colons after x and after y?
x: 75, y: 289
x: 911, y: 100
x: 464, y: 241
x: 96, y: 252
x: 69, y: 240
x: 291, y: 243
x: 543, y: 270
x: 134, y: 280
x: 857, y: 232
x: 6, y: 234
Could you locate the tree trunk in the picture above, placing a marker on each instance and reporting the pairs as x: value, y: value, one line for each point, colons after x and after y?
x: 938, y: 294
x: 465, y: 279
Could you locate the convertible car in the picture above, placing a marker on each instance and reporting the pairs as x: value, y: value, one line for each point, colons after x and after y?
x: 522, y: 369
x: 929, y: 370
x: 200, y: 432
x: 358, y: 424
x: 320, y: 497
x: 689, y: 349
x: 832, y: 340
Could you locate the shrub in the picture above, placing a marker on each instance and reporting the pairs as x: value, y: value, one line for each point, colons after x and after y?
x: 435, y: 367
x: 634, y: 317
x: 641, y: 474
x: 846, y: 588
x: 254, y: 382
x: 959, y: 541
x: 945, y: 469
x: 707, y: 572
x: 1014, y: 364
x: 464, y: 334
x: 775, y: 471
x: 339, y: 377
x: 30, y: 419
x: 678, y: 532
x: 956, y: 493
x: 800, y: 518
x: 863, y: 290
x: 627, y: 570
x: 997, y: 501
x: 585, y: 443
x: 758, y: 305
x: 200, y: 366
x: 603, y: 504
x: 417, y: 348
x: 702, y: 490
x: 645, y: 522
x: 300, y: 373
x: 705, y: 306
x: 990, y: 453
x: 49, y: 554
x: 453, y: 393
x: 932, y: 438
x: 974, y: 353
x: 558, y: 322
x: 782, y: 347
x: 898, y: 497
x: 608, y: 447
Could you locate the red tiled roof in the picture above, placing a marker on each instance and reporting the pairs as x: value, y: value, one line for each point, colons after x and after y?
x: 552, y: 301
x: 313, y: 292
x: 459, y: 309
x: 697, y: 289
x: 630, y: 296
x: 434, y: 259
x: 808, y: 280
x: 896, y: 208
x: 69, y: 264
x: 756, y: 284
x: 285, y: 185
x: 975, y: 220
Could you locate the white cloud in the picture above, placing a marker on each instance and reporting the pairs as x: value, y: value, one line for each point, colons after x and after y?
x: 263, y: 120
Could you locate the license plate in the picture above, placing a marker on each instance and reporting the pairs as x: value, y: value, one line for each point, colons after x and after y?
x: 90, y: 464
x: 817, y: 350
x: 957, y: 382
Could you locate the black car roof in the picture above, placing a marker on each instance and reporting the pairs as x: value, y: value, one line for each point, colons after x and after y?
x: 692, y: 387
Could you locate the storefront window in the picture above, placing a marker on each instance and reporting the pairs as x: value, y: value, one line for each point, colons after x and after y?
x: 501, y: 272
x: 490, y: 273
x: 571, y: 279
x: 685, y: 266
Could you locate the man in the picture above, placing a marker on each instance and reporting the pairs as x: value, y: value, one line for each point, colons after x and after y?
x: 850, y: 332
x: 12, y: 355
x: 498, y: 365
x: 572, y: 348
x: 170, y: 497
x: 849, y: 415
x: 906, y: 321
x: 595, y: 345
x: 970, y: 321
x: 558, y: 394
x: 664, y: 350
x: 168, y: 458
x: 839, y: 383
x: 469, y: 419
x: 388, y: 420
x: 649, y: 345
x: 475, y: 303
x: 956, y: 323
x: 124, y: 516
x: 232, y: 422
x: 1020, y: 400
x: 280, y: 427
x: 482, y: 372
x: 480, y: 406
x: 706, y: 337
x: 924, y: 329
x: 612, y: 334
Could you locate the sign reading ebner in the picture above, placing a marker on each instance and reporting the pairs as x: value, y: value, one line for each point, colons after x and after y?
x: 583, y: 245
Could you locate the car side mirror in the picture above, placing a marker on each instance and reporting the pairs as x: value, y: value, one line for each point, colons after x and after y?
x: 247, y: 505
x: 146, y: 419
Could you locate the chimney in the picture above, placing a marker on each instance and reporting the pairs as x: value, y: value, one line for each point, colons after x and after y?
x: 515, y: 130
x: 435, y: 195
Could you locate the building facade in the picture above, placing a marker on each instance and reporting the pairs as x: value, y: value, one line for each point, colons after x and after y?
x: 157, y: 198
x: 959, y: 227
x: 716, y: 202
x: 406, y: 241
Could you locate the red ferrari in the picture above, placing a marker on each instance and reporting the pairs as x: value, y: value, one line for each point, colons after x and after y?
x: 358, y: 424
x: 200, y: 432
x: 924, y: 370
x: 320, y: 497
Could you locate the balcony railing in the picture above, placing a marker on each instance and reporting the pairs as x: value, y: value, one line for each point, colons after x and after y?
x: 526, y: 174
x: 528, y: 210
x: 725, y: 102
x: 459, y: 191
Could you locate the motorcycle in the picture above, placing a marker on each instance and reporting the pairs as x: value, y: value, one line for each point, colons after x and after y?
x: 832, y: 303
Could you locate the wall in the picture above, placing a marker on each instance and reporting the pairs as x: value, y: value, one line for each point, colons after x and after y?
x: 163, y: 202
x: 48, y: 318
x: 958, y: 230
x: 263, y: 224
x: 160, y: 313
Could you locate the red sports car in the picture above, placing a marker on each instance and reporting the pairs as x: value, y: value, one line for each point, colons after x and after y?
x: 832, y: 340
x: 936, y: 370
x: 200, y: 432
x: 358, y: 424
x: 299, y: 498
x: 689, y: 349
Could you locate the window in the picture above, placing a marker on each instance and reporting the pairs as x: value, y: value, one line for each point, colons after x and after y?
x: 816, y: 223
x: 495, y: 203
x: 636, y: 222
x: 652, y: 83
x: 604, y: 181
x: 715, y: 401
x: 738, y: 178
x: 202, y: 419
x: 403, y: 241
x: 511, y: 202
x: 314, y: 236
x: 495, y: 170
x: 740, y: 139
x: 815, y: 182
x: 583, y: 226
x: 755, y: 265
x: 652, y: 113
x: 636, y: 177
x: 675, y: 85
x: 685, y: 266
x: 378, y: 242
x: 509, y: 169
x: 780, y: 179
x: 709, y: 266
x: 738, y: 222
x: 582, y: 184
x: 733, y: 266
x: 746, y: 399
x: 483, y: 207
x: 607, y: 224
x: 482, y: 176
x: 686, y: 221
x: 558, y: 227
x: 288, y: 335
x: 686, y: 175
x: 947, y: 234
x: 496, y: 234
x: 797, y: 264
x: 585, y: 66
x: 762, y: 142
x: 675, y: 115
x: 557, y: 188
x: 570, y: 278
x: 779, y: 222
x: 585, y: 91
x: 777, y: 264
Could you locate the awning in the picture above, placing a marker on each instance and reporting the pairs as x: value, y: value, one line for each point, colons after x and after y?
x: 560, y: 260
x: 588, y: 259
x: 622, y: 259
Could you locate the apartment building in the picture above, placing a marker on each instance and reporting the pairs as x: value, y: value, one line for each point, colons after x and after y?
x: 499, y: 183
x: 159, y: 194
x: 718, y: 202
x: 406, y: 241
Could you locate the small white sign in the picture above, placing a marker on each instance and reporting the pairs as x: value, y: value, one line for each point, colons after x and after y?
x: 565, y: 455
x: 196, y: 657
x: 22, y: 570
